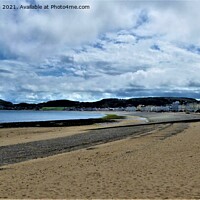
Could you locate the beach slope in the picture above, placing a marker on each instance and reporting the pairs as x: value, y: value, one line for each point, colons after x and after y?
x: 163, y: 163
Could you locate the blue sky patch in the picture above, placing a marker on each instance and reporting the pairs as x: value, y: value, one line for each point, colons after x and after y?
x: 142, y: 19
x: 155, y: 47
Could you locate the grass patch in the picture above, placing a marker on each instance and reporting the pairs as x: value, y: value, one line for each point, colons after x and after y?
x: 52, y: 108
x: 113, y: 116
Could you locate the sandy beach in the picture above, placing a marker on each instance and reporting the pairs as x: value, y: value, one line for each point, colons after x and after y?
x: 9, y: 136
x: 161, y: 163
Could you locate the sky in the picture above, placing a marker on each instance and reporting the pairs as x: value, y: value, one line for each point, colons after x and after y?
x: 115, y: 49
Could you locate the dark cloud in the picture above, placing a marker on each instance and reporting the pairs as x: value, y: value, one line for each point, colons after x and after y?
x: 67, y: 59
x: 5, y: 71
x: 156, y: 93
x: 195, y: 84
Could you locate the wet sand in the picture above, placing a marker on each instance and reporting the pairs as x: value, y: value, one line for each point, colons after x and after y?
x: 38, y: 149
x: 163, y: 163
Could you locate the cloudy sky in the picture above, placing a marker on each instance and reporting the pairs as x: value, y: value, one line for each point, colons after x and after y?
x: 114, y: 49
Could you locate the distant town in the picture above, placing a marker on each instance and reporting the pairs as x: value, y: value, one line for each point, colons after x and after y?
x: 150, y: 104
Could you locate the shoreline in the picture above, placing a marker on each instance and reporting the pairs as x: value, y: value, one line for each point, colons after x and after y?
x: 68, y: 122
x: 90, y: 137
x: 16, y: 135
x: 53, y: 123
x: 143, y: 117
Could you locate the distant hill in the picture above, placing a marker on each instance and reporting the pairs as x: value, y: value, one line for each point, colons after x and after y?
x: 154, y: 101
x: 59, y: 103
x: 104, y: 103
x: 5, y: 103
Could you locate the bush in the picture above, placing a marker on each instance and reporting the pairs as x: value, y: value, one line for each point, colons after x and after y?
x: 113, y: 116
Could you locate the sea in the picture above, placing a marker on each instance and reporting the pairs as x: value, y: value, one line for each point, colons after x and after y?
x: 32, y: 116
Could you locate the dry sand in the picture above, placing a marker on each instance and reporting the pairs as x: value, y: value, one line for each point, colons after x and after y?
x: 152, y: 166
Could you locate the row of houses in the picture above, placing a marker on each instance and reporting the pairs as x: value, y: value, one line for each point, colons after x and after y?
x: 174, y: 107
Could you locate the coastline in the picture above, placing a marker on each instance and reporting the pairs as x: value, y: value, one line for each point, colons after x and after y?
x: 142, y: 160
x: 16, y: 135
x: 145, y: 117
x: 156, y: 165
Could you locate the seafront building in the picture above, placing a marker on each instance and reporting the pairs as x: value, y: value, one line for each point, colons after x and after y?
x: 174, y: 107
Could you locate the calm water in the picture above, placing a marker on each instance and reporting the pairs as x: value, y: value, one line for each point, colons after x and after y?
x: 28, y: 116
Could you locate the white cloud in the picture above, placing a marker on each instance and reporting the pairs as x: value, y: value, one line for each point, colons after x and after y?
x: 34, y: 34
x: 114, y: 49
